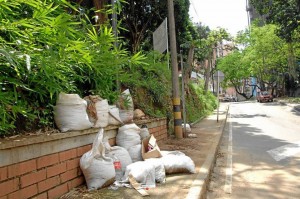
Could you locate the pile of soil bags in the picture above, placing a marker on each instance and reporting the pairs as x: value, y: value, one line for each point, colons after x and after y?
x: 99, y: 168
x: 74, y: 113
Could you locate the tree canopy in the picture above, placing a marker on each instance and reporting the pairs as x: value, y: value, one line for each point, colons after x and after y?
x: 285, y: 14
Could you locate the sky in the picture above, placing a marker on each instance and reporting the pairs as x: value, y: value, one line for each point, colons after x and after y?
x: 228, y: 14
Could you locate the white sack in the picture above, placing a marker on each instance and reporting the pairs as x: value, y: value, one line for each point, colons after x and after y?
x: 98, y: 170
x: 144, y: 133
x: 135, y: 153
x: 143, y: 172
x: 121, y: 153
x: 70, y: 113
x: 126, y: 107
x: 177, y: 162
x: 114, y: 116
x: 160, y: 173
x: 126, y: 115
x: 102, y: 109
x: 187, y: 128
x: 128, y: 136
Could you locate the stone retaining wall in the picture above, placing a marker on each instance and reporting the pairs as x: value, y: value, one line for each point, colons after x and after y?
x: 47, y: 166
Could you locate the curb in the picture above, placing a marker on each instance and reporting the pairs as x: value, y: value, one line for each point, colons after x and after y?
x: 296, y: 108
x: 199, y: 186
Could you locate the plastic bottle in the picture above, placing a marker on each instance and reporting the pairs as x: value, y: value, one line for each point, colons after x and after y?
x: 118, y: 169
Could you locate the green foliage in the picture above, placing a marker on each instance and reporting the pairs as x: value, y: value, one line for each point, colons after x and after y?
x: 264, y: 56
x: 199, y: 103
x: 45, y: 51
x: 285, y: 14
x: 140, y: 18
x: 293, y: 100
x: 150, y: 84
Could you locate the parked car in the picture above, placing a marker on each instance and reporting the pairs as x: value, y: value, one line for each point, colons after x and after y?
x: 264, y: 96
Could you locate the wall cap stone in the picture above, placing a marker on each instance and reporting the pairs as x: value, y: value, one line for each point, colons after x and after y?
x: 24, y: 140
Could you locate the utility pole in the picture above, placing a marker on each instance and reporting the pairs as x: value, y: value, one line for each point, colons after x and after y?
x: 182, y: 95
x: 175, y: 82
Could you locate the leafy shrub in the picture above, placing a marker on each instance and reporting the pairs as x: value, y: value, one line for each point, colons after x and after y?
x: 150, y: 84
x: 45, y: 50
x: 199, y: 103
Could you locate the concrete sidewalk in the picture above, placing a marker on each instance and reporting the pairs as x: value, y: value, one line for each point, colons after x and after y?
x: 213, y: 126
x: 202, y: 150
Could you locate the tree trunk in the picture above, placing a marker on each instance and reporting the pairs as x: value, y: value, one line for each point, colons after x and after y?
x: 188, y: 69
x: 291, y: 60
x: 207, y: 74
x: 99, y: 5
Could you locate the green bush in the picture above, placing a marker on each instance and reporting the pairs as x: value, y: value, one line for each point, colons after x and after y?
x: 150, y: 85
x: 44, y: 50
x: 199, y: 103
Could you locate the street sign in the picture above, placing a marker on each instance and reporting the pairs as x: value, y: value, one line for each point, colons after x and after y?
x: 160, y: 37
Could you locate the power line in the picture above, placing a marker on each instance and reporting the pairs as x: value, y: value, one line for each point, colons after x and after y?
x: 194, y: 9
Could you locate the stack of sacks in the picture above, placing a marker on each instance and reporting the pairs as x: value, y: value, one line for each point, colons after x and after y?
x: 70, y: 113
x: 129, y: 137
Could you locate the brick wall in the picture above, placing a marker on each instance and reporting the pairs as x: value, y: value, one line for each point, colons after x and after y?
x: 54, y: 174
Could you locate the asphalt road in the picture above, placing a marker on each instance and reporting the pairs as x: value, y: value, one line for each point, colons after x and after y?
x: 259, y: 155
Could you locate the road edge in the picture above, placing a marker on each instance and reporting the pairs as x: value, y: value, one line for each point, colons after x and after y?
x: 199, y: 186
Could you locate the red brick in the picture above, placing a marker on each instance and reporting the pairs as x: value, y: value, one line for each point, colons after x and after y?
x: 47, y: 160
x: 69, y: 175
x: 75, y: 182
x: 21, y: 168
x: 41, y: 196
x: 32, y: 178
x: 9, y: 186
x: 83, y: 149
x: 24, y: 193
x: 3, y: 173
x: 48, y: 184
x: 155, y: 135
x: 58, y: 191
x: 164, y: 136
x: 72, y: 164
x: 154, y: 130
x: 56, y: 169
x: 67, y: 155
